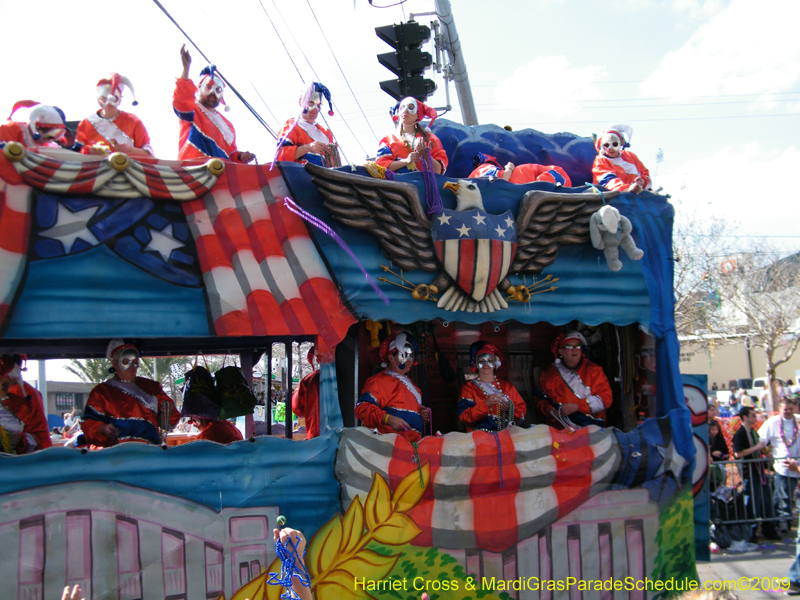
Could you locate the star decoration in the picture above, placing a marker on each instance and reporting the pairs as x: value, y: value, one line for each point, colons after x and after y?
x: 500, y: 231
x: 444, y: 219
x: 673, y: 462
x: 72, y: 226
x: 479, y: 219
x: 509, y: 222
x: 463, y: 230
x: 163, y: 242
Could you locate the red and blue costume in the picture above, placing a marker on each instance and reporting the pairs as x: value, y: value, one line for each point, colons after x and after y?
x: 487, y: 166
x: 386, y: 394
x: 619, y: 173
x: 392, y: 148
x: 552, y: 383
x: 33, y: 429
x: 474, y: 412
x: 305, y: 403
x: 204, y: 132
x: 297, y: 137
x: 124, y: 128
x: 135, y: 421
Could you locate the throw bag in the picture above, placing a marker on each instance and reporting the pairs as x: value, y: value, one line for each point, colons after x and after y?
x: 199, y: 395
x: 235, y: 396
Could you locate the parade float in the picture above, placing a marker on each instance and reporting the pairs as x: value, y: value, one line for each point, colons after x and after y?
x: 210, y: 255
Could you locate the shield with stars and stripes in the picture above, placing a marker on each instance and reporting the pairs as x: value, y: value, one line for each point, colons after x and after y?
x: 475, y: 248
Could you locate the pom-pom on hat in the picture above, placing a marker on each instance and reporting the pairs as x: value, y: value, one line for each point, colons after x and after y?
x: 559, y: 342
x: 623, y: 132
x: 41, y: 118
x: 481, y: 347
x: 395, y: 342
x: 210, y: 78
x: 112, y: 88
x: 317, y: 88
x: 423, y: 110
x: 481, y: 158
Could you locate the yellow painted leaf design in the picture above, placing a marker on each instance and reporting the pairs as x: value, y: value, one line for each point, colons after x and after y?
x: 366, y: 564
x: 339, y: 590
x: 253, y: 590
x: 352, y: 526
x: 409, y: 491
x: 378, y: 506
x: 324, y: 546
x: 399, y: 529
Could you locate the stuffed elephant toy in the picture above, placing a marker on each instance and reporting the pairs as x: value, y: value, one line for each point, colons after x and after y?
x: 609, y: 230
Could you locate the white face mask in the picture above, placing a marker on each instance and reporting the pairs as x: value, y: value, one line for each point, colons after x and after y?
x: 127, y: 358
x: 408, y: 105
x: 611, y: 144
x: 486, y: 360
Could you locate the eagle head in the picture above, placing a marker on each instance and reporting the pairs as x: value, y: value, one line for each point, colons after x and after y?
x: 468, y: 196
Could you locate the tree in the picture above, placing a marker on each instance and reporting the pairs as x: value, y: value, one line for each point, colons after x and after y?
x: 699, y: 247
x: 91, y: 370
x: 761, y: 298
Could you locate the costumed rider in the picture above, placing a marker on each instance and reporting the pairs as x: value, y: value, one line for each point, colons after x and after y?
x: 204, y: 131
x: 488, y: 403
x: 577, y: 391
x: 46, y: 126
x: 23, y: 426
x: 110, y: 129
x: 303, y: 140
x: 403, y: 150
x: 486, y: 165
x: 615, y: 167
x: 390, y: 402
x: 126, y: 408
x: 305, y: 399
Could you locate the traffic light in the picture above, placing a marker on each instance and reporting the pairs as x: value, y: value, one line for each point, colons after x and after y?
x: 408, y: 62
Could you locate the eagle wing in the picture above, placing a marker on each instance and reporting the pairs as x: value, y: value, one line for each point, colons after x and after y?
x: 548, y: 220
x: 389, y: 210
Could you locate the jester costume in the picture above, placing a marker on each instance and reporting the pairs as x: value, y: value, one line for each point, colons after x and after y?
x: 125, y: 128
x: 204, y: 132
x: 131, y: 406
x: 392, y: 148
x: 305, y: 403
x: 552, y: 382
x: 24, y: 419
x: 476, y: 415
x: 305, y: 133
x: 486, y: 165
x: 619, y: 173
x: 390, y: 393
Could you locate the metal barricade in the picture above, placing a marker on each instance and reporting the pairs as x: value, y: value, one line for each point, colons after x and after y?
x: 743, y: 492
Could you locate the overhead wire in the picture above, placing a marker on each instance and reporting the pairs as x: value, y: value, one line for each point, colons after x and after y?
x: 336, y: 60
x: 316, y: 76
x: 247, y: 105
x: 281, y: 40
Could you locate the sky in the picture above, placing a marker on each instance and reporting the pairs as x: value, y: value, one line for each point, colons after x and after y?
x: 712, y: 86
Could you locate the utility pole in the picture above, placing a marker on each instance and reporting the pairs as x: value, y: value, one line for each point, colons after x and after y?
x: 457, y: 69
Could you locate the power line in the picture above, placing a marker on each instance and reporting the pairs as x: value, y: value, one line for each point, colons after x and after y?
x: 333, y: 54
x: 281, y: 40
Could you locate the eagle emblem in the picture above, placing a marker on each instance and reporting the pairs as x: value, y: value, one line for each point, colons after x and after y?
x: 472, y: 251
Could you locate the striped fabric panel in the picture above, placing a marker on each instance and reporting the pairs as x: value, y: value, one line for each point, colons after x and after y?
x: 15, y: 204
x: 262, y: 272
x: 546, y: 474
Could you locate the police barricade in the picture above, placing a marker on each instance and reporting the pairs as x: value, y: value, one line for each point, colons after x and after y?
x: 743, y: 495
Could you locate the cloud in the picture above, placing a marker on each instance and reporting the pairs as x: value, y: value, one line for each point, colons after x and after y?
x: 742, y: 183
x: 746, y: 48
x: 550, y: 85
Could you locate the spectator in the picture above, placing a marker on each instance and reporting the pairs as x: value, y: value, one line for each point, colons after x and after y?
x: 781, y: 433
x: 746, y: 445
